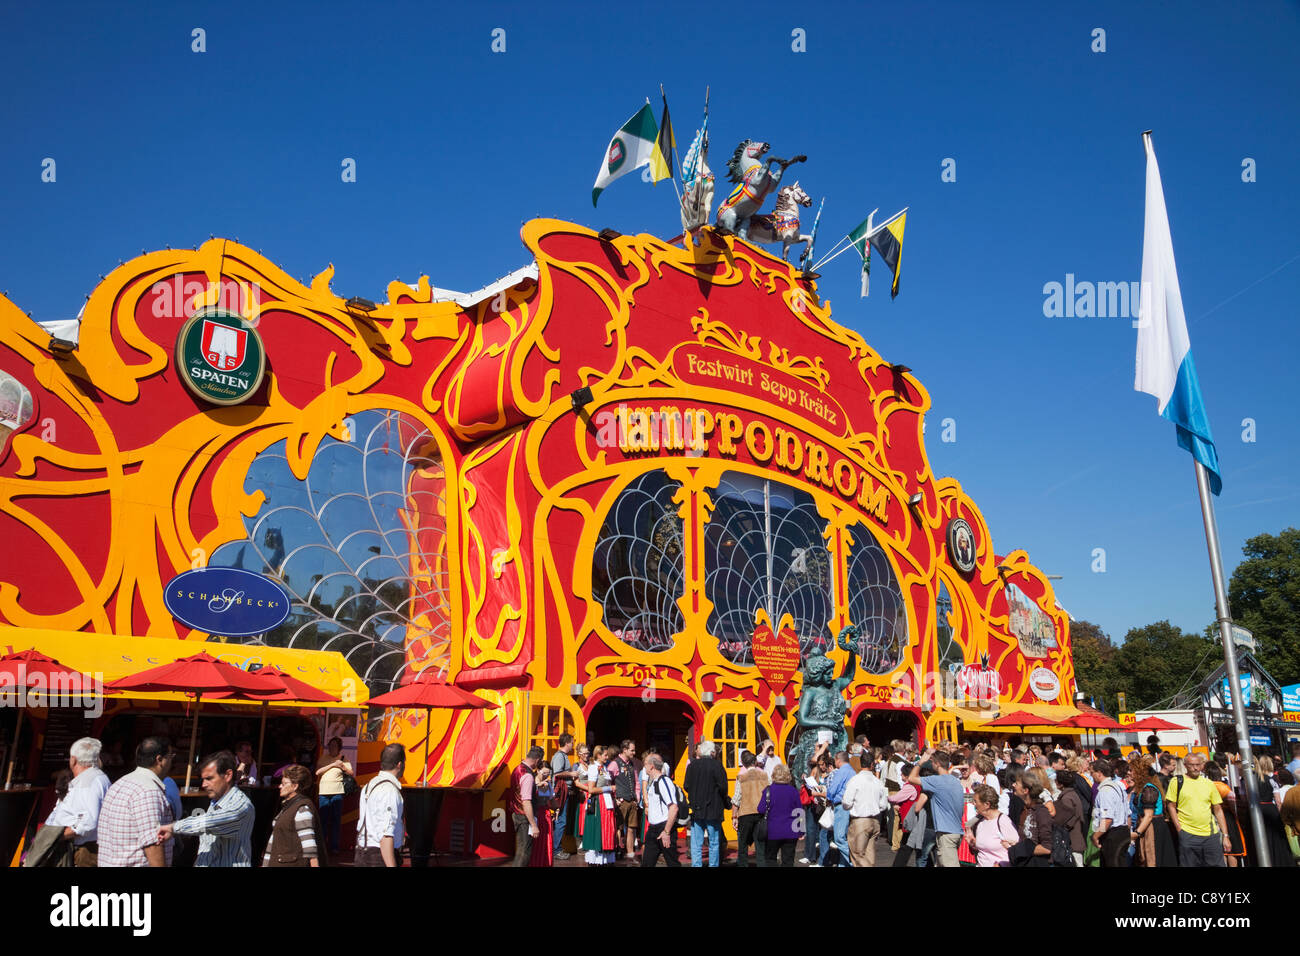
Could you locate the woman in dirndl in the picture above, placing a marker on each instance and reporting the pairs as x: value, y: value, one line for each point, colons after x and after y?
x: 1152, y: 840
x: 599, y: 826
x: 543, y: 799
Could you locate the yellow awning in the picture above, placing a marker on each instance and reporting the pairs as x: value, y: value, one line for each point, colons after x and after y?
x: 109, y: 656
x: 967, y: 716
x: 1052, y: 714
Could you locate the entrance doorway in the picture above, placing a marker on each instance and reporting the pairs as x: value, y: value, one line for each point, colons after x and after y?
x: 882, y: 726
x: 662, y: 724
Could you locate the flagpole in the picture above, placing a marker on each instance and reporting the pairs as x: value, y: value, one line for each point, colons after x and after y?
x: 1230, y: 664
x: 673, y: 148
x: 836, y: 249
x: 841, y: 242
x: 866, y: 238
x: 831, y: 258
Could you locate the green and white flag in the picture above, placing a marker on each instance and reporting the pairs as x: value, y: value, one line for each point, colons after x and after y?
x: 631, y: 148
x: 860, y: 238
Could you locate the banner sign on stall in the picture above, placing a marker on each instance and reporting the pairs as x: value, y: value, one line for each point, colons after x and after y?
x: 775, y: 655
x: 229, y: 602
x: 1291, y: 697
x: 1247, y: 689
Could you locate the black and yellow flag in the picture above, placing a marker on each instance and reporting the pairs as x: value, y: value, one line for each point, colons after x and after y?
x: 887, y: 239
x: 661, y: 160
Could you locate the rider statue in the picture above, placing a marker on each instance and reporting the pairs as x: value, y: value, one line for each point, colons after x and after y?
x: 755, y: 180
x: 821, y: 703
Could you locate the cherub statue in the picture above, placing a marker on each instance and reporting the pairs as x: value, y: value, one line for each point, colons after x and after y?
x: 821, y: 702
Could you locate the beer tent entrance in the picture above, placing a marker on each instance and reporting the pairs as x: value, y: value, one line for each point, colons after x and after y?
x: 882, y: 726
x: 662, y: 724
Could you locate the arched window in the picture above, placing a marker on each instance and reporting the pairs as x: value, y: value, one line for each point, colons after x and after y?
x: 638, y: 564
x: 876, y: 605
x: 764, y: 548
x: 360, y: 546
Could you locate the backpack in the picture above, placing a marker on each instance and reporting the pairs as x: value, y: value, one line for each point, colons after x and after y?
x: 1062, y: 853
x: 675, y: 795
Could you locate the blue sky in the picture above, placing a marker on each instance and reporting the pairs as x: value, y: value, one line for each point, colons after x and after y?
x: 456, y: 145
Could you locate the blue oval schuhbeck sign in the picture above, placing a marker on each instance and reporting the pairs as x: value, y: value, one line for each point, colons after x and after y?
x: 228, y: 602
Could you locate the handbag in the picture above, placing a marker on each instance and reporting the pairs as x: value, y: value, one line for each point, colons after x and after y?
x: 966, y: 855
x: 350, y: 785
x: 827, y: 819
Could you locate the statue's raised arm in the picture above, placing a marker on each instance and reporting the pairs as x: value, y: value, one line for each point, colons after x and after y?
x: 848, y: 641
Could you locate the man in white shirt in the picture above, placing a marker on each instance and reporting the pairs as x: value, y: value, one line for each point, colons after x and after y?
x: 78, y: 813
x: 865, y: 798
x: 661, y: 809
x: 380, y: 831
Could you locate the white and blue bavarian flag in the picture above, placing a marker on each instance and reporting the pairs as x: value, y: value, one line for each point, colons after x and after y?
x: 1164, y: 354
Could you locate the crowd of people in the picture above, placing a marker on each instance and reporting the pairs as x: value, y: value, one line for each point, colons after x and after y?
x: 949, y: 805
x: 136, y: 820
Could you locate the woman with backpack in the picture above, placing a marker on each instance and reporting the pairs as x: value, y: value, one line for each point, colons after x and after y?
x: 1070, y: 813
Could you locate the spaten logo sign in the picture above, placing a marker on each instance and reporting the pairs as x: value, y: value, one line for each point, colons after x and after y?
x: 220, y: 357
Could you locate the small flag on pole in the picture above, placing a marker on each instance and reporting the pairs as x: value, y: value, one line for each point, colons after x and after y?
x: 888, y: 241
x: 1164, y: 352
x: 630, y: 149
x: 661, y: 160
x: 697, y: 179
x: 860, y: 239
x: 807, y: 256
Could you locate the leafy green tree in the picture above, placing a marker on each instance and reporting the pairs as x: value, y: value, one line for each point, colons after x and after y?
x: 1264, y: 594
x: 1159, y: 661
x: 1094, y: 662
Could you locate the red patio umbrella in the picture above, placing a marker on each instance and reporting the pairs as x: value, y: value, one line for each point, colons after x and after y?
x: 428, y: 693
x: 1017, y: 718
x: 1092, y: 721
x: 290, y: 688
x: 30, y: 669
x: 1153, y: 723
x: 202, y: 673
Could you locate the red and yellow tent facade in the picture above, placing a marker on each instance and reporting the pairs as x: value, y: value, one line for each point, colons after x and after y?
x: 581, y: 495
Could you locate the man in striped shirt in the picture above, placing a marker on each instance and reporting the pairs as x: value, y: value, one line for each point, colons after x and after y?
x: 225, y: 831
